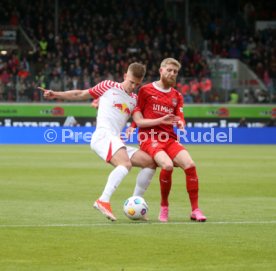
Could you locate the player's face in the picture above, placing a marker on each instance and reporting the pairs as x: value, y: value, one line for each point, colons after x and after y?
x: 168, y: 74
x: 131, y: 82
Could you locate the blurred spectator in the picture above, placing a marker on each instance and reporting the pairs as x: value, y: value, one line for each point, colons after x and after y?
x: 242, y: 123
x: 5, y: 76
x: 234, y: 97
x: 21, y: 90
x: 56, y: 83
x: 188, y: 98
x: 271, y: 122
x: 249, y: 13
x: 2, y: 91
x: 261, y: 96
x: 248, y: 97
x: 43, y: 44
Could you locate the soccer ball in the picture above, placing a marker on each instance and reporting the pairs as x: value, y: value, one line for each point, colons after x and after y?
x: 135, y: 207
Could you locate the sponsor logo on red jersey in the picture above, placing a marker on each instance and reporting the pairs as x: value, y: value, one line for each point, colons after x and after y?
x: 162, y: 108
x: 174, y: 102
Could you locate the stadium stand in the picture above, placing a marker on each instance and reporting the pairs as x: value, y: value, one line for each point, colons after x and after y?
x: 77, y: 44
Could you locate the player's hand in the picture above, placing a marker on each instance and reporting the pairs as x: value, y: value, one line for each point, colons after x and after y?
x: 180, y: 125
x: 170, y: 119
x: 47, y: 93
x: 95, y: 103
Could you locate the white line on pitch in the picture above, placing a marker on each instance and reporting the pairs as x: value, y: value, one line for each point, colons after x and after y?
x: 133, y: 224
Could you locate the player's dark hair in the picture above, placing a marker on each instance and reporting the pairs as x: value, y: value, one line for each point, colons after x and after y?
x: 138, y: 70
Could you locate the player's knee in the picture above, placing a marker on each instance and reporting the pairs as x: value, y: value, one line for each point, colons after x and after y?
x: 150, y: 164
x: 128, y: 165
x: 168, y: 166
x: 190, y: 164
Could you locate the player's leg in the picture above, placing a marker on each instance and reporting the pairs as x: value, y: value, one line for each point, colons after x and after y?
x: 141, y: 159
x: 112, y: 150
x: 122, y: 165
x: 146, y: 163
x: 184, y: 160
x: 156, y: 150
x: 165, y: 176
x: 165, y: 180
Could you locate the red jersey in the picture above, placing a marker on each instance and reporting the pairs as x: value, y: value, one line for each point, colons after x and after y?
x: 155, y: 102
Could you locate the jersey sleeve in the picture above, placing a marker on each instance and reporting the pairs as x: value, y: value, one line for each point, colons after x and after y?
x: 140, y: 105
x: 98, y: 90
x: 140, y: 100
x: 136, y: 109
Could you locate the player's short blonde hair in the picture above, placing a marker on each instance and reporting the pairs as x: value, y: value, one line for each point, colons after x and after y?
x: 138, y: 70
x: 170, y: 60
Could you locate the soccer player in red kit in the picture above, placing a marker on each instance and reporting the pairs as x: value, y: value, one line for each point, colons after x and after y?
x: 155, y: 100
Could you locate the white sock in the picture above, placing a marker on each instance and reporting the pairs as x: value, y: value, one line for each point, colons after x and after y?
x: 114, y: 179
x: 143, y: 181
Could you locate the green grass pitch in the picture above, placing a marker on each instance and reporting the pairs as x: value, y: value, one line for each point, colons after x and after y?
x: 47, y: 221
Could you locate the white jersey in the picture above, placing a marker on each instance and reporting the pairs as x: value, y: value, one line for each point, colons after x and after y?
x: 115, y: 106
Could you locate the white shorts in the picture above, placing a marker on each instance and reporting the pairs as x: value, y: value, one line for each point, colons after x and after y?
x: 106, y: 145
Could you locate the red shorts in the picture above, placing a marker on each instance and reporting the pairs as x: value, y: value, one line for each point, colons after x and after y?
x: 172, y: 147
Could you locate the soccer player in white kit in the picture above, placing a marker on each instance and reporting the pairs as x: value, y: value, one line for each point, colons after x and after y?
x: 116, y: 104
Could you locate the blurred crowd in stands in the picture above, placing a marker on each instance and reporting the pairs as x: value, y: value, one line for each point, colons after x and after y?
x: 98, y: 39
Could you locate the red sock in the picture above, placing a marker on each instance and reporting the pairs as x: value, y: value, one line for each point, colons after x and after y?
x: 192, y: 186
x: 165, y: 179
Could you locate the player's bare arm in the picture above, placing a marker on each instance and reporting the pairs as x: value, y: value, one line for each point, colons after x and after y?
x: 72, y: 95
x: 169, y: 119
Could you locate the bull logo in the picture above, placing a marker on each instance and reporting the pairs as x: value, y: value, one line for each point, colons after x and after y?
x: 123, y: 108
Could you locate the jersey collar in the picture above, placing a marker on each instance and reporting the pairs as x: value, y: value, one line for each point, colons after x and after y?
x: 161, y: 89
